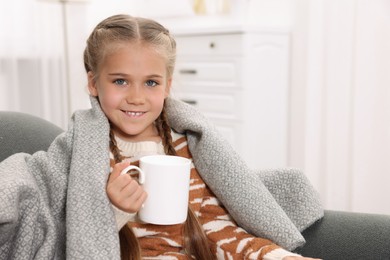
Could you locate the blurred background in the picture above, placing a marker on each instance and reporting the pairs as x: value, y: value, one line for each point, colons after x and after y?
x: 316, y: 74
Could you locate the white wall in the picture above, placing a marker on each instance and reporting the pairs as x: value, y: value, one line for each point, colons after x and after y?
x: 31, y: 59
x: 340, y: 132
x: 371, y: 118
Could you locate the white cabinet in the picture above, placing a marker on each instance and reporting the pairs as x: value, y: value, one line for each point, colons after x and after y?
x: 239, y: 79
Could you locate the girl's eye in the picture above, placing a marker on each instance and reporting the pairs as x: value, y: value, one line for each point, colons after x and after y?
x: 151, y: 83
x: 120, y: 82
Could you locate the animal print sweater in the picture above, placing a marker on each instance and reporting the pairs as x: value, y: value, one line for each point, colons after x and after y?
x: 166, y: 242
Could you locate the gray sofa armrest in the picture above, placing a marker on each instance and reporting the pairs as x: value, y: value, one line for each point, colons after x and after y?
x: 20, y: 132
x: 346, y: 235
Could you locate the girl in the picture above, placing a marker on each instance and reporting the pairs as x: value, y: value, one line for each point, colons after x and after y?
x: 129, y: 63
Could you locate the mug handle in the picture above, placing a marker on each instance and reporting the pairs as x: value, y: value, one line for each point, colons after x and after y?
x: 141, y: 178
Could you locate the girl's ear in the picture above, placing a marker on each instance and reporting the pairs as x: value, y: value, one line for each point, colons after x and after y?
x: 92, y: 84
x: 168, y: 87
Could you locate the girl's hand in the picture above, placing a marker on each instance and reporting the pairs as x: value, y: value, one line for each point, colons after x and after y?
x: 123, y: 191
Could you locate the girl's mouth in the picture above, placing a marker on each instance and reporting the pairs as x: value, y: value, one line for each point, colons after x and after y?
x: 134, y: 113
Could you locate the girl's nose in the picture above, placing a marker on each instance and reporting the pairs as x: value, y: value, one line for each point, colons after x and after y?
x: 135, y: 95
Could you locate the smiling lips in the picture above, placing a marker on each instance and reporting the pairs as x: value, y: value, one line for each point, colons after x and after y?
x: 134, y: 114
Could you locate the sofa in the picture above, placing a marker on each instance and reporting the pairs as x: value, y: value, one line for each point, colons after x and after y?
x: 339, y: 235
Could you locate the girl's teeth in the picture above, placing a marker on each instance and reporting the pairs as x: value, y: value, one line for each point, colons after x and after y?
x: 134, y: 113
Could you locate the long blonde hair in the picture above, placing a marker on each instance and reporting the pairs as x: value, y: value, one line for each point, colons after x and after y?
x: 124, y: 28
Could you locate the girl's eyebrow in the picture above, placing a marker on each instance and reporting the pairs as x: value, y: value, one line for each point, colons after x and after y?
x: 118, y: 74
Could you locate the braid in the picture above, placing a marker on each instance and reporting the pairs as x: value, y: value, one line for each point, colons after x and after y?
x: 114, y: 148
x: 129, y: 246
x: 164, y: 130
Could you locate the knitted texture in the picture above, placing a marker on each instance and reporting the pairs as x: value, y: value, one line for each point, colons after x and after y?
x: 53, y: 205
x: 277, y: 208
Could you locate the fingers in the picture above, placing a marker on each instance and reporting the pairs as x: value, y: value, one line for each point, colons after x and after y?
x: 123, y: 191
x: 116, y: 171
x: 132, y: 190
x: 136, y: 196
x: 131, y: 197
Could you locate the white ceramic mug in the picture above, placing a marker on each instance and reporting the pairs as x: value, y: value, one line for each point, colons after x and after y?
x: 166, y: 179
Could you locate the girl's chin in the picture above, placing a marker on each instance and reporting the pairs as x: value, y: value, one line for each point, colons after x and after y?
x: 129, y: 135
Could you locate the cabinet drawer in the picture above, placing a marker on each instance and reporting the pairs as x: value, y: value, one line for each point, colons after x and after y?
x: 217, y: 72
x: 213, y: 105
x: 209, y: 45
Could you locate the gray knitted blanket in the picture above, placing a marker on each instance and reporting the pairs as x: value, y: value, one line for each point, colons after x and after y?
x: 53, y: 204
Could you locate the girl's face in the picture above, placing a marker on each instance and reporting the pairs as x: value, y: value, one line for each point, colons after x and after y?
x: 132, y: 84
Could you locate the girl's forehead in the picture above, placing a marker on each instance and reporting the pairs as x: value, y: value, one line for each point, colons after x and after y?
x: 133, y: 57
x: 130, y: 48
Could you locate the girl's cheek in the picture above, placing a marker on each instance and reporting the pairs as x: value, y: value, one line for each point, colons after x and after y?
x: 113, y: 97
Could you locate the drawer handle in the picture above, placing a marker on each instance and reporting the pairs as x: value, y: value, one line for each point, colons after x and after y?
x: 190, y: 101
x: 188, y: 71
x: 212, y: 45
